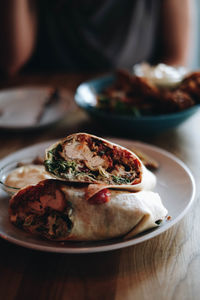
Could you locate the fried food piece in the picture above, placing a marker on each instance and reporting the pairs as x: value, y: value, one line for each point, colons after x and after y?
x: 137, y: 95
x: 136, y: 86
x: 191, y: 85
x: 174, y: 101
x: 129, y: 92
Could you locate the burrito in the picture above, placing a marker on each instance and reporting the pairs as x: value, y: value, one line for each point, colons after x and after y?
x: 59, y: 211
x: 82, y: 157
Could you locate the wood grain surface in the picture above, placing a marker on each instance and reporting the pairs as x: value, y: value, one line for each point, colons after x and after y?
x: 166, y: 267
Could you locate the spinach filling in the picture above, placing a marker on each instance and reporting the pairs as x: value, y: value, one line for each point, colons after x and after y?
x: 59, y: 166
x: 56, y: 165
x: 121, y: 180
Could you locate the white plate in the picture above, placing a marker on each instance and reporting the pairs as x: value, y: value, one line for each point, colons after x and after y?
x: 20, y: 107
x: 175, y: 184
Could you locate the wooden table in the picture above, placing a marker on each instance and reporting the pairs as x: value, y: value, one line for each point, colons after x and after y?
x: 166, y: 267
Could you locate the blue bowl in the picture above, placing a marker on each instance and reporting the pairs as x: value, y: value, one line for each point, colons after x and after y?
x: 85, y: 98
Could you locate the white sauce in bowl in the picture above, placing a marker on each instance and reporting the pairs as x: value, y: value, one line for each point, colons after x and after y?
x: 26, y: 175
x: 161, y: 75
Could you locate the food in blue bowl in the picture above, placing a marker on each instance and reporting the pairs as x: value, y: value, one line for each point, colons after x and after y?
x: 126, y: 102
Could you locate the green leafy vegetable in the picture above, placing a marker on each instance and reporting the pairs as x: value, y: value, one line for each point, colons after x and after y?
x: 56, y: 165
x: 120, y: 180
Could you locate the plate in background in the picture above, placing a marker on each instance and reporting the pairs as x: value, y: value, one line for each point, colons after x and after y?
x: 24, y: 107
x: 175, y: 184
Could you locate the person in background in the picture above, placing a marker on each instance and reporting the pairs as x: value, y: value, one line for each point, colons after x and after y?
x: 93, y: 35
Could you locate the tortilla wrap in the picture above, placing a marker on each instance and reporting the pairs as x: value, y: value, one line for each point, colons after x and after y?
x: 58, y: 211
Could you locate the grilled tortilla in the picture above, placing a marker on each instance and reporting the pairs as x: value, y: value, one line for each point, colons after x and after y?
x: 82, y: 157
x: 59, y: 211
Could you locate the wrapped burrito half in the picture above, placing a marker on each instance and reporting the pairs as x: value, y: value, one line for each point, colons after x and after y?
x: 58, y: 211
x: 82, y: 157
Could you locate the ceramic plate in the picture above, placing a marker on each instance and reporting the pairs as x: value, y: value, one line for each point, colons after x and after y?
x: 175, y: 184
x: 24, y: 107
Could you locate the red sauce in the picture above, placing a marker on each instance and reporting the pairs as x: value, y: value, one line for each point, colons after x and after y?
x: 101, y: 197
x: 33, y: 193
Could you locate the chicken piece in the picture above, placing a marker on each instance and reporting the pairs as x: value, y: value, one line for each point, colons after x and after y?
x: 191, y: 85
x: 174, y: 101
x: 129, y: 94
x: 135, y: 86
